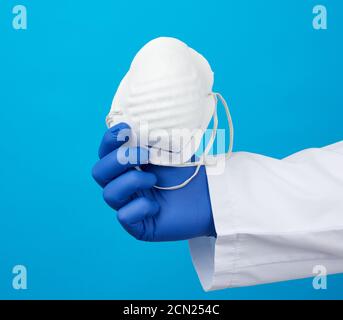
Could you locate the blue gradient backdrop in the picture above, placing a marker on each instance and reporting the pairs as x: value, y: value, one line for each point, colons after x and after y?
x: 282, y: 78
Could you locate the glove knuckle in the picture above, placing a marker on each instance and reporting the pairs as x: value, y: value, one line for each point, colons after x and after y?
x: 138, y: 236
x: 134, y: 178
x: 96, y: 173
x: 145, y: 205
x: 110, y: 197
x: 106, y: 142
x: 121, y: 216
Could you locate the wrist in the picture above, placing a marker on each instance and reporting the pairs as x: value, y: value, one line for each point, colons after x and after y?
x: 211, y: 228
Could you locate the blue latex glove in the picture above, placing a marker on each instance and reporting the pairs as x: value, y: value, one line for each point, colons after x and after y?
x: 148, y: 213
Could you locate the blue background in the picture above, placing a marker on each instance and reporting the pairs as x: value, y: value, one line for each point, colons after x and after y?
x: 283, y: 80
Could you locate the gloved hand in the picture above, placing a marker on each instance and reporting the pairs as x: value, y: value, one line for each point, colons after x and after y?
x: 145, y: 212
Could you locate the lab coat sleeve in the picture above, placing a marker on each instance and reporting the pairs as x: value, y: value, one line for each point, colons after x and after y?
x: 275, y: 219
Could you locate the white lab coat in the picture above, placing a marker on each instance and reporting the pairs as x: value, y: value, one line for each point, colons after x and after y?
x: 275, y: 219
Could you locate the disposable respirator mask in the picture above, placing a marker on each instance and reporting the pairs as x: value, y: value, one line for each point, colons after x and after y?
x: 168, y: 91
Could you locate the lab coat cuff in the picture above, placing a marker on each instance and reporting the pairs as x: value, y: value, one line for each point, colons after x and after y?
x: 284, y: 242
x: 214, y: 261
x: 214, y: 258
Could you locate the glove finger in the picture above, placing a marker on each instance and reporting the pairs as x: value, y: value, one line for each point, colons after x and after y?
x: 118, y: 192
x: 132, y: 216
x: 117, y: 162
x: 113, y: 138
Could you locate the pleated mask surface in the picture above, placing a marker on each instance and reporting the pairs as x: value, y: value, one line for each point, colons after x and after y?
x: 166, y: 98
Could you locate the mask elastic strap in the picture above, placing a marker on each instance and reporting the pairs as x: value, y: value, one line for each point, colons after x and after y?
x: 199, y: 163
x: 229, y: 120
x: 202, y: 160
x: 179, y: 186
x: 210, y: 143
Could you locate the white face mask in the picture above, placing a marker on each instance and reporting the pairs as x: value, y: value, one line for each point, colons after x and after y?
x: 168, y: 91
